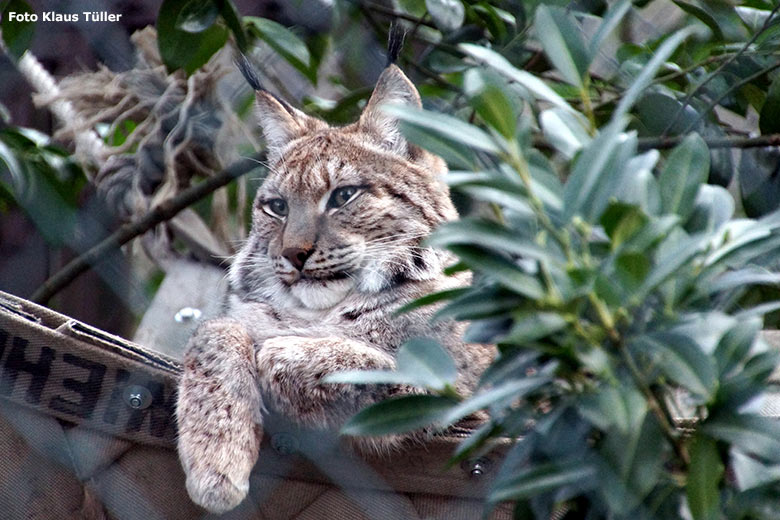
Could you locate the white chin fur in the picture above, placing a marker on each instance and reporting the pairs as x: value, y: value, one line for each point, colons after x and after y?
x: 315, y: 295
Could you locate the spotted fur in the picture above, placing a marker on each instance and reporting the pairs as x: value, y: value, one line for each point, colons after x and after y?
x: 359, y: 258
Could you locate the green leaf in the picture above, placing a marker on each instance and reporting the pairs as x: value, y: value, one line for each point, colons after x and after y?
x: 427, y: 362
x: 632, y: 461
x: 685, y: 170
x: 448, y: 15
x: 704, y: 475
x: 750, y: 433
x: 420, y: 362
x: 564, y: 130
x: 503, y: 192
x: 447, y: 126
x: 681, y: 360
x: 489, y: 235
x: 596, y: 174
x: 769, y: 120
x: 734, y: 346
x: 608, y: 24
x: 478, y: 304
x: 750, y: 473
x: 673, y: 259
x: 197, y: 16
x: 284, y: 42
x: 631, y: 268
x: 542, y: 478
x: 17, y: 34
x: 535, y: 86
x: 703, y: 16
x: 713, y: 207
x: 499, y: 268
x: 562, y: 42
x: 399, y: 415
x: 644, y: 78
x: 491, y: 102
x: 500, y: 395
x: 231, y: 17
x: 180, y: 49
x: 613, y: 408
x: 430, y: 299
x: 533, y: 325
x: 621, y: 221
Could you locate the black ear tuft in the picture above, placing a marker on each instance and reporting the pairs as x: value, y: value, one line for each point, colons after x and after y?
x: 248, y: 71
x: 395, y: 42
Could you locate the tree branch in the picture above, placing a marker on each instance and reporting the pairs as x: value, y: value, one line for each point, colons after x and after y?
x: 164, y: 211
x: 663, y: 143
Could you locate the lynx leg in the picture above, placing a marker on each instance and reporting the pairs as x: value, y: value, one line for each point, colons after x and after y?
x: 218, y: 413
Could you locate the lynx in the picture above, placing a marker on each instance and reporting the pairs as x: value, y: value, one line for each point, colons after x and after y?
x: 334, y: 250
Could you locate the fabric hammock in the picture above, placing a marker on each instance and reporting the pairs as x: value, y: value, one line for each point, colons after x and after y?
x: 87, y: 431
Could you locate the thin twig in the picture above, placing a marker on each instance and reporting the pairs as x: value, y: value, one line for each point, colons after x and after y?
x: 736, y: 86
x: 722, y: 66
x: 387, y: 11
x: 663, y: 143
x: 162, y: 212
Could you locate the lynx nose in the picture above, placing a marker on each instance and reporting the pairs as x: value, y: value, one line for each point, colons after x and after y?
x: 296, y: 256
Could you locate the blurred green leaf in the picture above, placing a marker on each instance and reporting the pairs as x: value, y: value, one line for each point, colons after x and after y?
x: 750, y: 433
x: 183, y: 50
x: 633, y: 461
x: 17, y: 34
x: 750, y: 473
x: 538, y: 479
x: 703, y: 15
x: 501, y: 395
x: 534, y: 85
x: 420, y: 362
x: 565, y: 131
x: 644, y: 78
x: 532, y: 325
x: 499, y: 268
x: 488, y: 235
x: 769, y: 119
x: 447, y: 14
x: 444, y: 125
x: 231, y: 18
x: 197, y: 16
x: 562, y: 41
x: 610, y: 22
x: 680, y: 359
x: 706, y: 470
x: 735, y: 344
x: 686, y: 169
x: 491, y: 102
x: 284, y: 42
x: 399, y: 414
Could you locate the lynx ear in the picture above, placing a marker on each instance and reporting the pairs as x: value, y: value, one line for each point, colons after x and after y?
x: 393, y: 87
x: 281, y: 123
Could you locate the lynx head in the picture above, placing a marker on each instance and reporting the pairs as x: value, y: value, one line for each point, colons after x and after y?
x: 342, y: 209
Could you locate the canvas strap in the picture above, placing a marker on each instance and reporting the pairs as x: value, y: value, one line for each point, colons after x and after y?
x: 70, y: 370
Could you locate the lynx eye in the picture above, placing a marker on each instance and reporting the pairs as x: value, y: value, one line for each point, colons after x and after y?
x: 276, y: 208
x: 341, y: 196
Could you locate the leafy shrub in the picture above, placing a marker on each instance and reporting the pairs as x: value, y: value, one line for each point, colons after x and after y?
x: 629, y: 370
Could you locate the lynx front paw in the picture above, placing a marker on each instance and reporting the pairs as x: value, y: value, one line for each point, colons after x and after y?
x: 215, y: 491
x: 291, y: 369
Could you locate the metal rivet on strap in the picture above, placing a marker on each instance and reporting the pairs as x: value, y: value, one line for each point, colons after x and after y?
x: 137, y: 397
x: 284, y: 443
x: 187, y: 314
x: 476, y: 468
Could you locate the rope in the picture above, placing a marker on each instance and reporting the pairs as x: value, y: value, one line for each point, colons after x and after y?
x: 89, y: 146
